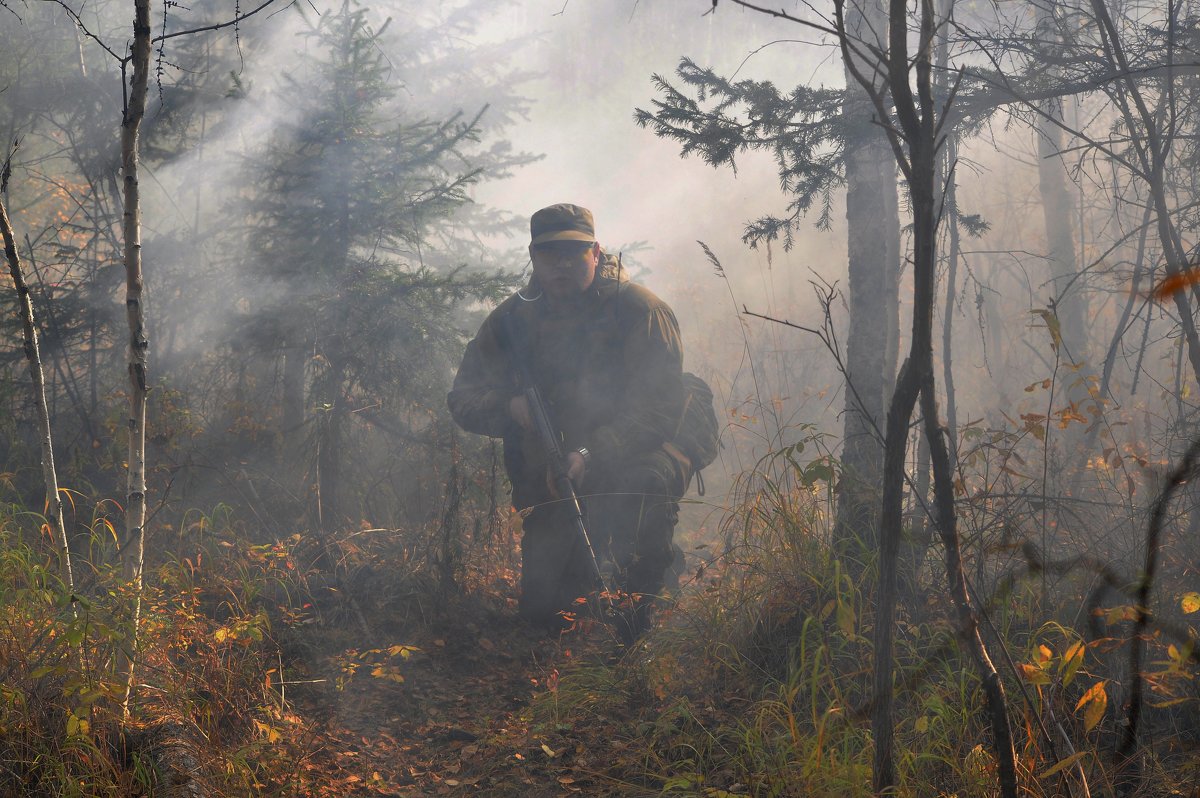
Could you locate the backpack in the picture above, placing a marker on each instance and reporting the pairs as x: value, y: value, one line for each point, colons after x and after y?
x: 698, y: 436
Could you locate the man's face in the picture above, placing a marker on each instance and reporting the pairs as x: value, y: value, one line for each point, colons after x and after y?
x: 564, y: 269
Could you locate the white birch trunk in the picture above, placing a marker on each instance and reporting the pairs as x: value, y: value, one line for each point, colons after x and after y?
x: 33, y: 355
x: 132, y: 553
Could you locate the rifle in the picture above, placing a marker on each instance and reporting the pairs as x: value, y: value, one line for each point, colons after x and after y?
x: 548, y: 436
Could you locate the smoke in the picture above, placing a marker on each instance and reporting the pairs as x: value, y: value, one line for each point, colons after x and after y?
x: 595, y: 62
x: 555, y: 85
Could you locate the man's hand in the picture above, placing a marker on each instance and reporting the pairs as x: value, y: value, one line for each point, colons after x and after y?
x: 518, y: 408
x: 576, y: 468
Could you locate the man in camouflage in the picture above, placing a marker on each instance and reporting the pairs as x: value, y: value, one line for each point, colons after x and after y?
x: 606, y: 355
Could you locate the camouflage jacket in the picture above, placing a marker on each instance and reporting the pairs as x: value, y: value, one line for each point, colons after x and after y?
x: 609, y: 367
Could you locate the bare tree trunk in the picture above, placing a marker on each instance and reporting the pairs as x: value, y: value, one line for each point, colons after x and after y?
x: 292, y: 453
x: 915, y: 545
x: 36, y: 375
x: 870, y: 198
x: 915, y: 146
x: 1058, y: 205
x: 329, y: 464
x: 968, y: 623
x: 132, y: 550
x: 293, y: 390
x: 1070, y: 304
x: 952, y: 258
x: 1129, y: 770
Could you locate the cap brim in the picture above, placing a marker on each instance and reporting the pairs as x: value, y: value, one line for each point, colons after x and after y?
x: 563, y: 235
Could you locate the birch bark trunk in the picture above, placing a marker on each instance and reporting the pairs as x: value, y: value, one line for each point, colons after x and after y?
x: 133, y: 550
x: 36, y: 375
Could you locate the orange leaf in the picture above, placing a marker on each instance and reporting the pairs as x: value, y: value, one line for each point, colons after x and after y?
x: 1175, y: 283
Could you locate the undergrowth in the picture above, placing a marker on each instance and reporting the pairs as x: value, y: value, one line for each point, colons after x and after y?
x: 758, y: 680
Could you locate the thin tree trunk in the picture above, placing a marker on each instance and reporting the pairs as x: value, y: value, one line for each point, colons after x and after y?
x: 1128, y: 776
x: 329, y: 469
x: 916, y: 118
x: 870, y: 177
x: 133, y: 549
x: 1110, y: 358
x: 1070, y: 304
x: 1139, y: 267
x: 916, y: 543
x: 968, y: 623
x: 293, y: 391
x: 952, y: 258
x: 947, y: 184
x: 36, y: 374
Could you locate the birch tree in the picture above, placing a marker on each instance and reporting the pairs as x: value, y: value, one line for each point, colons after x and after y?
x: 33, y: 357
x: 133, y: 544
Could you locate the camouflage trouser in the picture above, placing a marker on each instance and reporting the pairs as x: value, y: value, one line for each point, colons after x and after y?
x: 630, y: 517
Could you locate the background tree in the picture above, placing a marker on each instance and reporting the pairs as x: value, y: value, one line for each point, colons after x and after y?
x: 342, y: 201
x: 823, y: 140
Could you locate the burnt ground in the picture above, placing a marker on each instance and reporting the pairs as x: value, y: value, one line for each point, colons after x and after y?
x: 470, y: 709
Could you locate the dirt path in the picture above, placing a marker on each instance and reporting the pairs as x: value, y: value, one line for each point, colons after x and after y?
x: 469, y: 712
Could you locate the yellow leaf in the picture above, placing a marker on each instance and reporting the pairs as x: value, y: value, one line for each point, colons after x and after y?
x: 1072, y: 659
x: 1052, y: 325
x: 1033, y: 674
x: 270, y: 732
x: 845, y: 619
x: 1096, y: 700
x: 404, y: 651
x: 550, y: 752
x: 1190, y: 602
x: 388, y: 672
x: 221, y: 634
x: 1062, y: 764
x: 828, y: 609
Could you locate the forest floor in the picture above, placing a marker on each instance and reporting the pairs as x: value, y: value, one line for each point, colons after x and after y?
x: 464, y: 705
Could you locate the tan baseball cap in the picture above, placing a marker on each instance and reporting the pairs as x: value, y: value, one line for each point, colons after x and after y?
x: 562, y: 222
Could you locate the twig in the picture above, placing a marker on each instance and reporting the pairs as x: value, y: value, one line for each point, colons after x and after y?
x: 1125, y: 754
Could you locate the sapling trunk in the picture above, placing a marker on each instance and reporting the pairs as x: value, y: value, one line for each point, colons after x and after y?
x: 34, y: 358
x: 916, y: 146
x: 133, y: 547
x: 968, y: 623
x: 1128, y: 767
